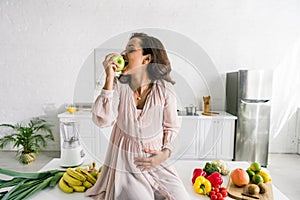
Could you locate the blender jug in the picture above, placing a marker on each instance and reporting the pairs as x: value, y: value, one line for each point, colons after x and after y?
x: 71, y: 150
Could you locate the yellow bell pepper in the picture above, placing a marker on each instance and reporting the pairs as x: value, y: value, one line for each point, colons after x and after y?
x: 202, y: 185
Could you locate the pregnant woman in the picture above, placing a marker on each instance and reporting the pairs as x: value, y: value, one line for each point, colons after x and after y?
x: 141, y: 106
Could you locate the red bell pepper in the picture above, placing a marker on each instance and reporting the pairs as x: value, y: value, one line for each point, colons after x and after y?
x: 198, y: 172
x: 215, y: 179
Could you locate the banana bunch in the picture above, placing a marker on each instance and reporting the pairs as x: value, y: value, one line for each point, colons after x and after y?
x: 77, y: 180
x: 92, y: 170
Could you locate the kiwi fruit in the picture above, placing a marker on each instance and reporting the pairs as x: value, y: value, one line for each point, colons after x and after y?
x: 262, y: 187
x: 253, y: 189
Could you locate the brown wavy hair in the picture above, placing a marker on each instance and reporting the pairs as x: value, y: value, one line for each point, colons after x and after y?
x: 159, y: 67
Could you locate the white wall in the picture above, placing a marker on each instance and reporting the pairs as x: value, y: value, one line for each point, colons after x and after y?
x: 44, y: 44
x: 298, y: 130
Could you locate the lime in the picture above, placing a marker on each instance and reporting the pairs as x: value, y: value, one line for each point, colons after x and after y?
x: 257, y: 179
x: 255, y: 166
x: 250, y: 173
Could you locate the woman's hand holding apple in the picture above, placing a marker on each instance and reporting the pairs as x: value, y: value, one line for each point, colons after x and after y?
x: 110, y: 67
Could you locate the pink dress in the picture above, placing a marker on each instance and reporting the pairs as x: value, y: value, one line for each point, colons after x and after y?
x: 154, y: 127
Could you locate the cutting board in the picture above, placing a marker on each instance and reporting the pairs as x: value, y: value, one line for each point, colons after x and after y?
x: 210, y: 113
x: 236, y: 192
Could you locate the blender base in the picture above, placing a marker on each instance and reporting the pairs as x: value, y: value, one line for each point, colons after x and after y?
x: 71, y: 157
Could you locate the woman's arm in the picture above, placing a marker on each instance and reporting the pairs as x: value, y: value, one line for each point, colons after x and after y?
x: 104, y: 109
x: 171, y: 123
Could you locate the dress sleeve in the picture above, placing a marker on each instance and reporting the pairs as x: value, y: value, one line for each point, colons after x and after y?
x: 171, y: 123
x: 105, y: 107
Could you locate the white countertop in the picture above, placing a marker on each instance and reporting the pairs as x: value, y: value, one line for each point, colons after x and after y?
x: 220, y: 115
x: 88, y: 114
x: 77, y: 114
x: 184, y: 168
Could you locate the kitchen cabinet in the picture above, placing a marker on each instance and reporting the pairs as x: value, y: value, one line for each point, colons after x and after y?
x: 186, y: 143
x: 200, y: 137
x: 216, y: 138
x: 206, y: 137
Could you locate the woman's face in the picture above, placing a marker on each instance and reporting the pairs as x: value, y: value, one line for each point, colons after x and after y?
x: 133, y: 55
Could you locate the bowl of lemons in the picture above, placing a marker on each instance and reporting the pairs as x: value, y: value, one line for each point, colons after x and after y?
x: 71, y: 108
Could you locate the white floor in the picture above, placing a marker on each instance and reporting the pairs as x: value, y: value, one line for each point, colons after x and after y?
x: 284, y: 169
x: 8, y: 160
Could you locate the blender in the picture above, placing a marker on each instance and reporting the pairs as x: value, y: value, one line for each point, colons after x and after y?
x: 71, y: 152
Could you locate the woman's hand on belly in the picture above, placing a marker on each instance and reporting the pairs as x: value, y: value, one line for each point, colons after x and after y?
x: 157, y: 157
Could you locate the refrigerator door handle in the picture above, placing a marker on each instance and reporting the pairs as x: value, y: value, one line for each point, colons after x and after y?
x: 254, y: 101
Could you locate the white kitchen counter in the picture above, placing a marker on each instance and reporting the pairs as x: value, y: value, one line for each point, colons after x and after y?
x: 77, y: 114
x: 88, y: 114
x: 184, y: 168
x: 221, y: 115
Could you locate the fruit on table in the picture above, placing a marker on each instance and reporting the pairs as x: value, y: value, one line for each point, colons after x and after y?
x: 88, y: 176
x: 239, y: 177
x: 266, y: 176
x: 71, y: 109
x: 215, y: 179
x: 250, y: 173
x: 257, y: 179
x: 120, y: 61
x: 217, y: 193
x: 93, y: 170
x: 77, y: 180
x: 64, y: 186
x: 71, y: 180
x: 76, y: 174
x: 262, y: 187
x: 202, y: 185
x: 255, y: 166
x: 198, y: 172
x: 252, y: 189
x: 257, y: 175
x: 78, y: 188
x: 87, y: 184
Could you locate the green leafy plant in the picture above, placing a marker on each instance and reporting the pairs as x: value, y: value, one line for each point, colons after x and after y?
x: 30, y: 138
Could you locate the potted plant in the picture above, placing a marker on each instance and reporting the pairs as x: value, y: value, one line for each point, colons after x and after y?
x: 30, y: 138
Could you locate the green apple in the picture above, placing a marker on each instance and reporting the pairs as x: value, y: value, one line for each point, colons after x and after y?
x: 120, y: 61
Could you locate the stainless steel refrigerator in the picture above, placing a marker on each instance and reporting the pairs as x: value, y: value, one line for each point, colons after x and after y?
x: 248, y: 96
